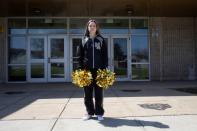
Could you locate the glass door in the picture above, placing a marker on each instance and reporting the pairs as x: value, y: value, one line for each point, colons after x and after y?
x: 120, y: 57
x: 107, y: 40
x: 75, y: 43
x: 57, y: 67
x: 37, y: 54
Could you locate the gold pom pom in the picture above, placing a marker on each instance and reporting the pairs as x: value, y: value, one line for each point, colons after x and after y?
x: 81, y: 78
x: 105, y: 78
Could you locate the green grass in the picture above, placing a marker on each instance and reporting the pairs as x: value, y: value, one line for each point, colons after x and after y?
x: 140, y: 74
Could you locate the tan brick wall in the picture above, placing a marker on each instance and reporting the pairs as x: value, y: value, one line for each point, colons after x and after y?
x: 155, y: 32
x: 174, y: 48
x: 178, y: 47
x: 2, y: 52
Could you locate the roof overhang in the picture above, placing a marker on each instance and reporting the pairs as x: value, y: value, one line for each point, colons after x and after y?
x: 168, y: 8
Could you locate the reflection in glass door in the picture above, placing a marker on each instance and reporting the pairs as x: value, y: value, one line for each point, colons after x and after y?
x: 140, y: 57
x: 120, y: 57
x: 56, y: 58
x: 37, y: 71
x: 75, y: 43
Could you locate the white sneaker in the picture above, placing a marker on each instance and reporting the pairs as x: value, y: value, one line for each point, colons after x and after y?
x: 87, y: 117
x: 100, y: 117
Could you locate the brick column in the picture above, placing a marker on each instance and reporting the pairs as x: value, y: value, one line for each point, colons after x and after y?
x: 178, y: 51
x: 155, y: 48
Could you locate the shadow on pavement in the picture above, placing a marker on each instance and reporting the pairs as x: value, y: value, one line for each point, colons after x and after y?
x: 116, y: 122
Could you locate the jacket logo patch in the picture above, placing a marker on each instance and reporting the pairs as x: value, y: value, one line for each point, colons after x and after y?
x: 97, y: 45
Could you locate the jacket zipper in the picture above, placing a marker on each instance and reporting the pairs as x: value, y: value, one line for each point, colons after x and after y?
x: 93, y: 51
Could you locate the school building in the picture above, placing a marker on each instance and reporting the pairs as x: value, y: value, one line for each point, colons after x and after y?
x: 148, y: 40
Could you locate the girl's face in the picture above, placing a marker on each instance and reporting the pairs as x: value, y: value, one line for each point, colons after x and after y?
x: 92, y: 28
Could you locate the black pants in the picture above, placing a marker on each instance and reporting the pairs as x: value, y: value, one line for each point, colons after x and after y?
x: 92, y: 108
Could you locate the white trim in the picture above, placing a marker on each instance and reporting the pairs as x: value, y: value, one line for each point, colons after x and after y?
x: 63, y: 60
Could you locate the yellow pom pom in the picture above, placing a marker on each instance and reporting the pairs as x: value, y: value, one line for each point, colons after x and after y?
x: 81, y: 78
x: 105, y: 78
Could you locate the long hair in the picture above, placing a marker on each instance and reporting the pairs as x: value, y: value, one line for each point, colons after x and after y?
x: 87, y: 33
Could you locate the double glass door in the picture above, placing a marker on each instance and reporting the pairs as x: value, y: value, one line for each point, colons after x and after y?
x: 52, y: 59
x: 118, y: 55
x: 47, y: 58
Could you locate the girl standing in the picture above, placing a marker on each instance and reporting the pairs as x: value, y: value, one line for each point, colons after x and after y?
x: 92, y: 56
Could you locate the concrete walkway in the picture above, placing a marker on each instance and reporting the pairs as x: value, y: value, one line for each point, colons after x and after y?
x: 129, y: 106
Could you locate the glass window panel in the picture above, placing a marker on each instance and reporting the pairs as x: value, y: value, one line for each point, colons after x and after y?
x: 139, y: 26
x: 47, y: 23
x: 114, y: 26
x: 57, y: 48
x: 110, y: 23
x: 77, y: 26
x: 120, y: 56
x: 140, y: 71
x: 75, y: 47
x: 17, y: 50
x: 46, y: 26
x: 16, y: 73
x: 57, y: 70
x: 37, y: 48
x: 140, y: 48
x: 37, y: 70
x: 17, y: 23
x: 16, y: 26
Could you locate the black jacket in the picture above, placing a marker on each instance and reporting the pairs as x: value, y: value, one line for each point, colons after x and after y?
x: 92, y: 53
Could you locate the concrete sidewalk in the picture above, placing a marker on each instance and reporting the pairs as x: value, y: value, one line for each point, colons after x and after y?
x: 136, y: 106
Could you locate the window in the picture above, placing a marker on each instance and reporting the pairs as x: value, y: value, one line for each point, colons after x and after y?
x: 140, y: 49
x: 47, y: 26
x: 17, y: 50
x: 140, y: 72
x: 16, y: 26
x: 16, y: 73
